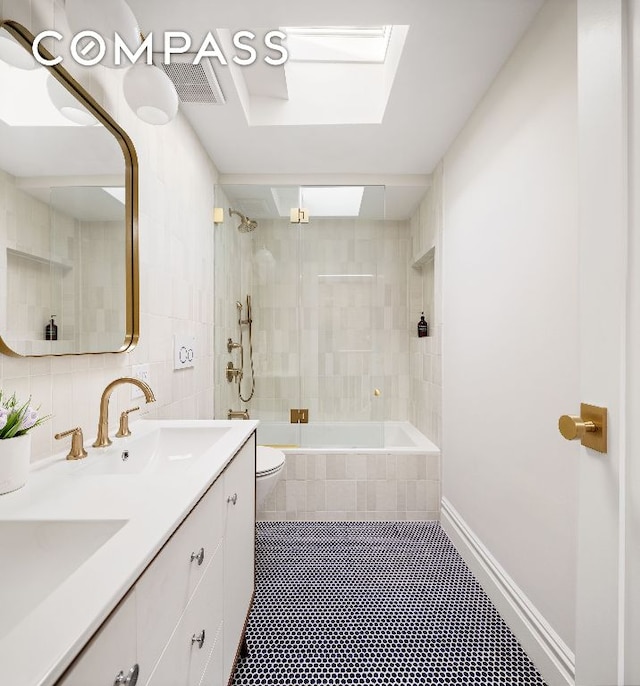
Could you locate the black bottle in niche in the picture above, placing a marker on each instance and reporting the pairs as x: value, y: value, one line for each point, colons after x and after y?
x: 51, y: 330
x: 423, y: 327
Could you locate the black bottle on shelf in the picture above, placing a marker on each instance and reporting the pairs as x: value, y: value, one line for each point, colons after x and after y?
x: 51, y: 330
x: 423, y: 327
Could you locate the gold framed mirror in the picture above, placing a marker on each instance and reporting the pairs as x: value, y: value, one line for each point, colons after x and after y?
x: 68, y: 212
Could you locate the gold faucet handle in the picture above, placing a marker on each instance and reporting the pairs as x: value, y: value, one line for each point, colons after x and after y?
x: 123, y: 430
x: 77, y: 451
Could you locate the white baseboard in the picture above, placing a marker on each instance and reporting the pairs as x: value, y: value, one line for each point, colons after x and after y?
x: 554, y: 660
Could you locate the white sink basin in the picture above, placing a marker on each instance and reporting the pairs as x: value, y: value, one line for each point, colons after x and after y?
x: 37, y: 556
x: 165, y: 449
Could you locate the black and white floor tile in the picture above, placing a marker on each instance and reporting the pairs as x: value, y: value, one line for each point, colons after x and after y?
x: 385, y: 603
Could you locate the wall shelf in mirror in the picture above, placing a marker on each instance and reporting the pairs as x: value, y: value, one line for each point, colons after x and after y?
x: 40, y: 259
x: 68, y: 214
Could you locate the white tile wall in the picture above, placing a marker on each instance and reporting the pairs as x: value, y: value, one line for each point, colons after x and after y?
x: 36, y: 287
x: 325, y: 336
x: 355, y: 486
x: 102, y: 280
x: 232, y: 284
x: 176, y: 273
x: 330, y: 319
x: 425, y: 294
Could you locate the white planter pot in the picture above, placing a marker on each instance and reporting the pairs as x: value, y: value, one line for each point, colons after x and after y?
x: 15, y: 456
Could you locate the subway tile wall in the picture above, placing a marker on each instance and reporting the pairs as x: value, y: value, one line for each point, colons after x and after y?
x: 336, y: 304
x: 176, y: 273
x: 35, y: 270
x: 232, y: 284
x: 355, y: 486
x: 335, y: 308
x: 330, y: 319
x: 100, y: 246
x: 425, y: 294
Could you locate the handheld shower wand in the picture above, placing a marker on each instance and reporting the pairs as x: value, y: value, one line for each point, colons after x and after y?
x: 248, y: 322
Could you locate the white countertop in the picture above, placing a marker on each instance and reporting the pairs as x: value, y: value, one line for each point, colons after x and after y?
x: 37, y: 650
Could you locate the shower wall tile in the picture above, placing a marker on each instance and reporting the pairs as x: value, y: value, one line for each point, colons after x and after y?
x: 425, y: 294
x: 330, y: 313
x: 335, y: 307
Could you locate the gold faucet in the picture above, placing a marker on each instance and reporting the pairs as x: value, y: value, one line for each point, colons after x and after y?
x: 103, y: 440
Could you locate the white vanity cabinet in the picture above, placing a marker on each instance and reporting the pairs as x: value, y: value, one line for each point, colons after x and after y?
x: 111, y: 654
x: 239, y: 531
x: 183, y: 621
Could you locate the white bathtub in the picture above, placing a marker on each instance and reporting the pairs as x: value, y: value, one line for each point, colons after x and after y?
x: 344, y: 437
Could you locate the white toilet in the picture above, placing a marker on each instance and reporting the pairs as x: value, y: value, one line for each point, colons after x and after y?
x: 269, y: 466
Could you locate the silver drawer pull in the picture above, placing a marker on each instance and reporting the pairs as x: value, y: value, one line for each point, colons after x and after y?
x: 199, y: 639
x: 199, y: 556
x: 233, y: 498
x: 130, y: 679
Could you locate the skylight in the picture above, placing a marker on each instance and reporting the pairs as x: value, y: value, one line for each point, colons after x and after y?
x: 332, y: 201
x: 338, y: 44
x: 334, y: 75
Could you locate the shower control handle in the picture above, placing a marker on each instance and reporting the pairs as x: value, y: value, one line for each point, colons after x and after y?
x: 231, y: 344
x: 233, y: 373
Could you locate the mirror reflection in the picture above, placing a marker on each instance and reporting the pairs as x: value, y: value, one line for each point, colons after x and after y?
x: 66, y: 226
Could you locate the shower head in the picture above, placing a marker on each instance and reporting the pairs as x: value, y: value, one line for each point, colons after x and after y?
x: 246, y: 225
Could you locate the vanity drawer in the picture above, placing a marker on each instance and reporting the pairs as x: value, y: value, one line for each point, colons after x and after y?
x: 165, y: 588
x: 111, y: 651
x: 193, y: 650
x: 213, y: 675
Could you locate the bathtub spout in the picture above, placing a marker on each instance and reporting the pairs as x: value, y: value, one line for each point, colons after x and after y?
x: 238, y: 414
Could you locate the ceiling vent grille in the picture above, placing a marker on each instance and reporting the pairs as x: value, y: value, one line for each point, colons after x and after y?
x: 193, y: 82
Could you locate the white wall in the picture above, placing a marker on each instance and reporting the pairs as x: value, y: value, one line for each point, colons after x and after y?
x: 510, y: 317
x: 176, y: 273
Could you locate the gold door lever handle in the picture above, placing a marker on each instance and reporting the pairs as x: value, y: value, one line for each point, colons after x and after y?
x: 590, y: 427
x: 572, y: 427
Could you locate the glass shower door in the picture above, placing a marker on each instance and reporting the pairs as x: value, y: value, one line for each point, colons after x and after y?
x: 318, y: 314
x: 341, y: 312
x: 275, y: 283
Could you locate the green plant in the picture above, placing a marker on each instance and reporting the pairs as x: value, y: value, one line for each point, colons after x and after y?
x: 15, y: 418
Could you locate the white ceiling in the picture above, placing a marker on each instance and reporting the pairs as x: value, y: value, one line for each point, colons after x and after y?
x: 453, y: 51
